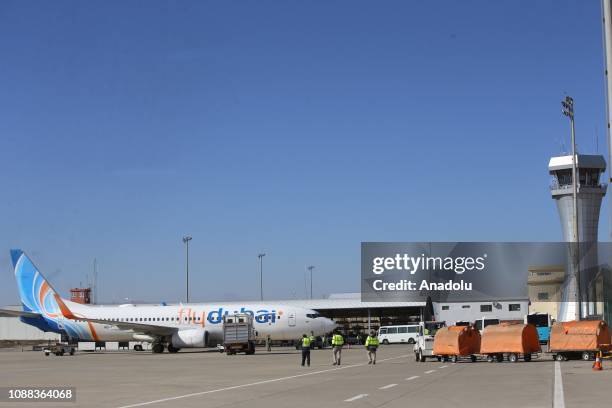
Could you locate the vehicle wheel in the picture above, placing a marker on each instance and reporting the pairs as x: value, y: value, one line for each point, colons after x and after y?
x: 385, y: 341
x: 490, y: 358
x: 473, y: 358
x: 411, y: 341
x: 47, y: 354
x: 527, y: 357
x: 172, y: 349
x: 499, y: 358
x: 560, y: 357
x: 416, y: 357
x: 138, y: 347
x: 586, y: 356
x: 439, y: 358
x: 453, y: 359
x: 72, y: 351
x: 158, y: 348
x: 421, y: 356
x: 513, y: 358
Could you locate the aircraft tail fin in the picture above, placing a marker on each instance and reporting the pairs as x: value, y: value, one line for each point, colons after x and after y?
x: 36, y: 293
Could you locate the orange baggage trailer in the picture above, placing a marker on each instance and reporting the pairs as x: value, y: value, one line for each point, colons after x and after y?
x: 582, y: 339
x: 456, y: 341
x: 513, y: 340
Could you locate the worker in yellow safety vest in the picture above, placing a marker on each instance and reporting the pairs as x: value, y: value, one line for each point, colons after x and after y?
x: 371, y: 345
x: 337, y: 343
x: 313, y: 340
x: 305, y: 350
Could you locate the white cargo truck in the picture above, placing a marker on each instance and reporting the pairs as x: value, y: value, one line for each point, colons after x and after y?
x: 423, y: 348
x: 238, y: 333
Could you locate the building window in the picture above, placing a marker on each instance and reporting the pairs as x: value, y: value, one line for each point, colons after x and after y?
x: 486, y: 308
x: 465, y: 306
x: 542, y: 295
x: 514, y: 307
x: 445, y: 307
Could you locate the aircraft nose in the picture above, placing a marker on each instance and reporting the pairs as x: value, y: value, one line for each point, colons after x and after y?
x: 330, y: 325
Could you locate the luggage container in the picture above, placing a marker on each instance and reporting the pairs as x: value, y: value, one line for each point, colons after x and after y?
x: 457, y: 341
x: 513, y: 340
x: 579, y: 339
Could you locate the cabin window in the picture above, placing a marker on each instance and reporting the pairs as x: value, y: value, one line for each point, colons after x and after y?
x: 445, y: 307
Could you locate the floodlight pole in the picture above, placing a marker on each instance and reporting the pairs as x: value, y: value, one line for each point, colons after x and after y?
x: 310, y: 268
x: 260, y: 256
x: 186, y: 240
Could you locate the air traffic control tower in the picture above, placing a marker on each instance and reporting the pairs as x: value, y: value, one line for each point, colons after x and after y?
x: 578, y: 288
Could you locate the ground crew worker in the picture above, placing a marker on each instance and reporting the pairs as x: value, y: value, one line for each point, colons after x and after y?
x: 268, y: 343
x: 313, y: 340
x: 371, y: 345
x: 337, y: 343
x: 305, y: 350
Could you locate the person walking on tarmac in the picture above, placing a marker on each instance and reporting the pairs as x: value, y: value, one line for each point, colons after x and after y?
x: 313, y: 340
x: 305, y: 350
x: 337, y: 343
x: 371, y: 345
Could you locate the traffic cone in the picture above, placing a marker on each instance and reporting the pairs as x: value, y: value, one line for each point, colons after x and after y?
x: 597, y: 365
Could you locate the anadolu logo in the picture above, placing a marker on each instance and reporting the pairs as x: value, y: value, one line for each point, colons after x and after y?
x: 260, y: 316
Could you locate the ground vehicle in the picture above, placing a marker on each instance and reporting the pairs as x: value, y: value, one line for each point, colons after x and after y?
x: 511, y: 339
x: 579, y: 339
x: 398, y: 334
x: 456, y: 341
x: 542, y: 323
x: 480, y: 324
x: 59, y: 349
x: 238, y: 333
x: 423, y: 346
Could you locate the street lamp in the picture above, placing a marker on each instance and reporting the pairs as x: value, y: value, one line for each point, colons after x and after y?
x: 310, y: 268
x: 186, y: 240
x: 568, y: 110
x: 260, y: 256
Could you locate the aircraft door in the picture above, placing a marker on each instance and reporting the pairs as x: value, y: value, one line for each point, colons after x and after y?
x: 291, y: 319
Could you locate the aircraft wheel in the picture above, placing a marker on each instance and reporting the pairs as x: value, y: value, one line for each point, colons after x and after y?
x: 158, y: 348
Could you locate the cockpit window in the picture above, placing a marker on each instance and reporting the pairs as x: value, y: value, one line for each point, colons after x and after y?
x: 313, y: 315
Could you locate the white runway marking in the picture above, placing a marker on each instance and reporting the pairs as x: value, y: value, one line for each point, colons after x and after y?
x: 386, y: 387
x: 234, y: 387
x: 356, y: 397
x: 444, y: 366
x: 412, y: 378
x: 429, y: 372
x: 559, y: 398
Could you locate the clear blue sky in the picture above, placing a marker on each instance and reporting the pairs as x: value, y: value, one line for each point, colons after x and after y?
x: 295, y: 128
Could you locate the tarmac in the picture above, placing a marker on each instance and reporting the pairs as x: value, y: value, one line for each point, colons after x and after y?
x: 197, y: 378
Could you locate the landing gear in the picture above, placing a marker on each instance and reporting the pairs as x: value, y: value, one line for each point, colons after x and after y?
x: 172, y: 349
x: 157, y: 348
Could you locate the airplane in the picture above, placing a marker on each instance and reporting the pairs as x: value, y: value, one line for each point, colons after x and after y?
x: 166, y: 327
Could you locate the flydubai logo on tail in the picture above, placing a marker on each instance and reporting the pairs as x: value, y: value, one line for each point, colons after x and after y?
x: 35, y: 292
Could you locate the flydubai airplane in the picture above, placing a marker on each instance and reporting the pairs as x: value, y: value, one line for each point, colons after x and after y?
x: 170, y: 327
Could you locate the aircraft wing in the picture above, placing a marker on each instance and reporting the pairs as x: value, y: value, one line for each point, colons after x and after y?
x: 144, y: 328
x: 17, y: 313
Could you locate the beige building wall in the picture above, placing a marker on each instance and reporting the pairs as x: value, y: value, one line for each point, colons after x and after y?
x: 544, y: 288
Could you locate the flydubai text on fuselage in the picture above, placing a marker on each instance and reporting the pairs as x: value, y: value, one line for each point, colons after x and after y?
x: 177, y: 326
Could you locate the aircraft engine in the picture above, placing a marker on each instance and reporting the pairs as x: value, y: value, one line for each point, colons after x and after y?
x: 190, y: 338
